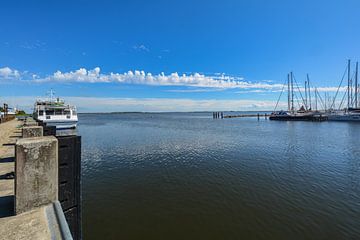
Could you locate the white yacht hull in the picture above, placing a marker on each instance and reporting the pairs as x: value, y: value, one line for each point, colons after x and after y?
x: 62, y: 124
x: 344, y: 117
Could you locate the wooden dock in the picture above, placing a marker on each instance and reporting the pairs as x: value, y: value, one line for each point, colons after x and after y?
x: 247, y: 115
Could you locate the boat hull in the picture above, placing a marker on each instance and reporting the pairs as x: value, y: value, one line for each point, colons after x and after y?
x: 345, y: 117
x: 292, y: 118
x: 62, y: 124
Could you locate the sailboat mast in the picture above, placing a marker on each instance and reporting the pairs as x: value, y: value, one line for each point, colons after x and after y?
x: 356, y: 85
x: 306, y: 99
x: 316, y: 108
x: 292, y: 92
x: 348, y: 89
x: 308, y: 81
x: 288, y: 78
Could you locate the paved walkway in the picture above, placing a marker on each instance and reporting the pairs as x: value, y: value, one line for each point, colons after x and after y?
x: 9, y: 133
x: 29, y: 225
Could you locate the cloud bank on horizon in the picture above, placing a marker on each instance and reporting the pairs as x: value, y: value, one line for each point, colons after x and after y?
x: 202, y: 82
x: 194, y: 83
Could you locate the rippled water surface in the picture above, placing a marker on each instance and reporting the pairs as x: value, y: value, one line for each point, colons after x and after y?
x: 188, y: 176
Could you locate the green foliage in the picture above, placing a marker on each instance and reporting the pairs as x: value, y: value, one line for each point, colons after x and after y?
x: 20, y: 112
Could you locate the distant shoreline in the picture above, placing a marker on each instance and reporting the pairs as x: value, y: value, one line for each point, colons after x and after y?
x: 252, y: 111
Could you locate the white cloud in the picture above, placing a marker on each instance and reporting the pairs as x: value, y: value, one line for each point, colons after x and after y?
x: 173, y: 79
x: 141, y: 47
x: 196, y: 82
x: 8, y: 73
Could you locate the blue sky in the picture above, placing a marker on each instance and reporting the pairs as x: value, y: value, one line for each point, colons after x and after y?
x: 235, y: 54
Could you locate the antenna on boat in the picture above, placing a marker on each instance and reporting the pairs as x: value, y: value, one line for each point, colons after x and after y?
x: 51, y: 94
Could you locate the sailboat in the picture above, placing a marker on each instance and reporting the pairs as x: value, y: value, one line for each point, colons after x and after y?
x: 352, y: 111
x: 303, y: 114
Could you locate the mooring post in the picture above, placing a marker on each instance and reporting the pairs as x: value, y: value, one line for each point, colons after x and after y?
x: 36, y: 172
x: 258, y: 116
x: 265, y: 116
x: 33, y: 131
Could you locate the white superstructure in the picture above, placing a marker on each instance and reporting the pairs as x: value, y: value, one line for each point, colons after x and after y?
x: 56, y: 113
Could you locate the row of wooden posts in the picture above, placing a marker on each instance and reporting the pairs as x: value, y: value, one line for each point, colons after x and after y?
x: 221, y: 115
x: 218, y: 115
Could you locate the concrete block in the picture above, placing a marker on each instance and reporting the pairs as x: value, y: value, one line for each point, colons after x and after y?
x: 36, y: 172
x: 34, y: 131
x: 31, y: 123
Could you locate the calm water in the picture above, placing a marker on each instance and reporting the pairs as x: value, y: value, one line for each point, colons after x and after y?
x: 188, y: 176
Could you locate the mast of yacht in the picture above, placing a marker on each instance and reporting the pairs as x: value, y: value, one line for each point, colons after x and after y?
x: 356, y: 85
x: 316, y: 107
x: 292, y: 92
x: 348, y: 88
x: 308, y: 81
x: 306, y: 98
x: 288, y: 78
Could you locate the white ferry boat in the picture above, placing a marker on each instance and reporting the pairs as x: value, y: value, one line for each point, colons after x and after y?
x: 56, y: 113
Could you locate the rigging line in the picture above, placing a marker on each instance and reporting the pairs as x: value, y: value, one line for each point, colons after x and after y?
x: 299, y: 90
x: 343, y: 99
x: 297, y: 100
x: 352, y: 77
x: 282, y: 90
x: 321, y: 101
x: 337, y: 91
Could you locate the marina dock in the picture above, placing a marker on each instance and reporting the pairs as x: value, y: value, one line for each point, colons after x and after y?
x: 247, y: 115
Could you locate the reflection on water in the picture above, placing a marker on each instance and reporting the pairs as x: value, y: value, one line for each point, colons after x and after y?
x: 188, y: 176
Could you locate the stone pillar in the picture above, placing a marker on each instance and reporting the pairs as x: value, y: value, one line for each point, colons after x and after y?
x: 30, y: 122
x: 34, y: 131
x: 36, y: 172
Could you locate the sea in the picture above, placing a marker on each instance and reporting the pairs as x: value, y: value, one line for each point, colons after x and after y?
x: 189, y: 176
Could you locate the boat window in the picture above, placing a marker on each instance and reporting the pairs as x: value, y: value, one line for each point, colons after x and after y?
x: 74, y: 112
x: 41, y: 112
x: 58, y: 112
x: 67, y: 112
x: 49, y: 112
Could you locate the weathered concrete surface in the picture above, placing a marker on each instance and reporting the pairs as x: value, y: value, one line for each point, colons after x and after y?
x: 29, y: 225
x: 40, y: 223
x: 36, y: 166
x: 30, y: 122
x: 33, y: 131
x: 9, y: 133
